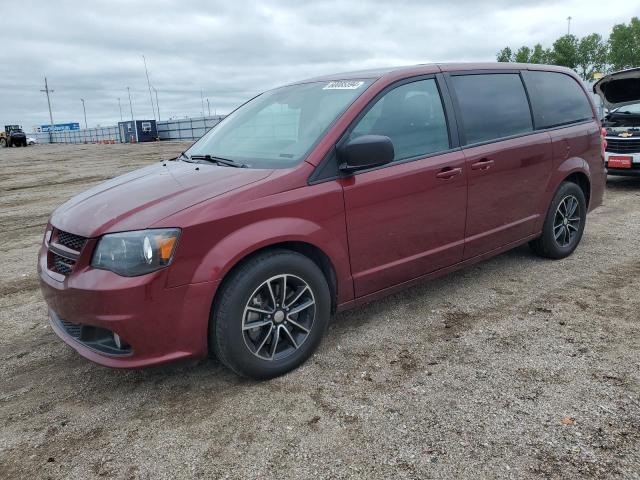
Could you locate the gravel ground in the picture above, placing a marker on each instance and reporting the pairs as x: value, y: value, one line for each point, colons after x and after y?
x: 518, y: 367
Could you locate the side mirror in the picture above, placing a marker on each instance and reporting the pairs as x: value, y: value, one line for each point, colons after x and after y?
x: 366, y: 151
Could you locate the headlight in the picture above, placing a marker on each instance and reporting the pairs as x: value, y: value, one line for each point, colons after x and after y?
x: 136, y: 253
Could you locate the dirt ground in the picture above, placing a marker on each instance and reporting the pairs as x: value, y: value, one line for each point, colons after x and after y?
x: 518, y: 367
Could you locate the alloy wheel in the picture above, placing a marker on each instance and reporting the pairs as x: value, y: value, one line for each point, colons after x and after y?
x: 566, y: 223
x: 278, y: 317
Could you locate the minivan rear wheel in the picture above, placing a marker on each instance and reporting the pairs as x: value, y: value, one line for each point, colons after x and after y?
x: 271, y: 314
x: 564, y: 223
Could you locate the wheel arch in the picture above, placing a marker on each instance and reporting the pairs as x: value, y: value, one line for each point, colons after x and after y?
x: 309, y: 250
x: 573, y: 169
x: 582, y: 180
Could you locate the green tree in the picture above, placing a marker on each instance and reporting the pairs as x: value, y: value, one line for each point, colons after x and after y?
x: 523, y: 55
x: 539, y: 54
x: 592, y: 56
x: 624, y: 45
x: 504, y: 55
x: 565, y: 51
x: 586, y: 55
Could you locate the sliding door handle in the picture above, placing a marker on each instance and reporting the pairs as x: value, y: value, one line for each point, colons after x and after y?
x: 483, y: 164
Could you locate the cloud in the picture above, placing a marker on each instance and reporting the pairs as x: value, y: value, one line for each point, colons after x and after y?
x: 232, y: 50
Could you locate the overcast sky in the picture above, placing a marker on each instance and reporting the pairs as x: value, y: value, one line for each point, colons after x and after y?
x: 233, y: 49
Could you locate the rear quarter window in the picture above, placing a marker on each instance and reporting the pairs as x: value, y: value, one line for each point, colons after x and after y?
x: 492, y: 106
x: 557, y: 99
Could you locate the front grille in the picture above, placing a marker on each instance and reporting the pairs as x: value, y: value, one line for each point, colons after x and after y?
x: 617, y: 145
x: 61, y: 264
x: 69, y: 240
x: 62, y: 260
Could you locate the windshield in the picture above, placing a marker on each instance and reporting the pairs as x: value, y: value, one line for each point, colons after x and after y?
x: 633, y: 108
x: 278, y: 128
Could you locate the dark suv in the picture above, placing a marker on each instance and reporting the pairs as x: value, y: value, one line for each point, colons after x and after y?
x: 319, y: 196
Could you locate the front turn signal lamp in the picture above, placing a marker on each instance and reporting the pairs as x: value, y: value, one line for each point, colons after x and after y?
x: 131, y: 254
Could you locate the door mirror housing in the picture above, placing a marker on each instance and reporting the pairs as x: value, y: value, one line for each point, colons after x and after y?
x: 366, y: 151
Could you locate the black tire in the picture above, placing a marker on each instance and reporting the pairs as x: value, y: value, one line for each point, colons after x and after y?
x: 3, y: 142
x: 570, y: 233
x: 231, y: 343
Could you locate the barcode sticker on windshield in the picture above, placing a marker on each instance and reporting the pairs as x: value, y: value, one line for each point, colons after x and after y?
x: 343, y: 85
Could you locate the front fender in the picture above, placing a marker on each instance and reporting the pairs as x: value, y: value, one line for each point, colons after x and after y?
x: 231, y: 249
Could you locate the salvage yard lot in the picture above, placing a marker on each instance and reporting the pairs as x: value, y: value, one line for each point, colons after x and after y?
x: 517, y: 367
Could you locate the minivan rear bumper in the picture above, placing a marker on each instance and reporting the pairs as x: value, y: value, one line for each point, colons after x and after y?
x: 155, y: 324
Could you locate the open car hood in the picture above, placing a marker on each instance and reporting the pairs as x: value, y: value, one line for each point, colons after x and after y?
x: 619, y: 88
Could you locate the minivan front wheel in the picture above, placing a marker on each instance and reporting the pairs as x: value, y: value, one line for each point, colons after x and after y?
x: 271, y: 314
x: 564, y: 223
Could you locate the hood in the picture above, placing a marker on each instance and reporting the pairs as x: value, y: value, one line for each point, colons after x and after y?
x: 619, y: 88
x: 141, y: 198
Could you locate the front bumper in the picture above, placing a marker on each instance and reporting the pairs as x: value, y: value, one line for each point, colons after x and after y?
x: 156, y: 324
x: 624, y: 172
x: 634, y: 171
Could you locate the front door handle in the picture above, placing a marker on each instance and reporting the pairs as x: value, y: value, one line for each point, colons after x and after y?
x: 483, y: 164
x: 449, y: 172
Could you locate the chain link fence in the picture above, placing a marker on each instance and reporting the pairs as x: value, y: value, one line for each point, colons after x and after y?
x: 90, y: 135
x: 186, y: 128
x: 179, y: 129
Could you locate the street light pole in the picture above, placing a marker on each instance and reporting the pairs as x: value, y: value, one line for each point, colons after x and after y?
x: 120, y: 107
x: 569, y: 25
x: 47, y: 91
x: 86, y: 127
x: 153, y: 112
x: 202, y: 101
x: 130, y: 104
x: 208, y: 107
x: 155, y: 90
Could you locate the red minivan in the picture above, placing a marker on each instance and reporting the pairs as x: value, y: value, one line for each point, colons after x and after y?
x: 316, y: 197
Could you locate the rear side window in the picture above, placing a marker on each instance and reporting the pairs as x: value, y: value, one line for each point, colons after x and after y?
x: 557, y: 99
x: 412, y: 116
x: 492, y: 106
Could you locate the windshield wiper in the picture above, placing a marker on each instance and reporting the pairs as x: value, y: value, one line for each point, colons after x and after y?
x: 219, y: 161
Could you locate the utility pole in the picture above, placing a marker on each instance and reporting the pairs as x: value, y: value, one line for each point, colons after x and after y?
x: 155, y: 90
x: 86, y: 127
x: 153, y: 111
x: 202, y: 100
x: 130, y: 104
x: 569, y: 25
x: 120, y: 107
x: 208, y: 107
x: 47, y: 91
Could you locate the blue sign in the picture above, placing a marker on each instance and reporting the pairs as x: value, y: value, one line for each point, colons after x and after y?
x: 60, y: 127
